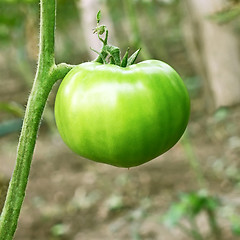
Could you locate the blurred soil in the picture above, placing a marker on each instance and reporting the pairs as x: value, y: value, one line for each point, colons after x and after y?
x: 70, y: 198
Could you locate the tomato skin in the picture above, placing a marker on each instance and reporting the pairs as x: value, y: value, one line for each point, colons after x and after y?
x: 122, y: 116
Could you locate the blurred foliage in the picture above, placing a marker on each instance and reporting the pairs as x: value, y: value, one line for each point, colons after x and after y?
x: 66, y: 8
x: 59, y: 230
x: 221, y: 114
x: 150, y: 24
x: 11, y: 125
x: 189, y: 206
x: 14, y: 14
x: 19, y: 27
x: 228, y: 15
x: 194, y: 85
x: 12, y: 108
x: 193, y: 160
x: 235, y: 224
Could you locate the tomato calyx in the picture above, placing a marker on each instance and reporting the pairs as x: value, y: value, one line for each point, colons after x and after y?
x: 111, y: 54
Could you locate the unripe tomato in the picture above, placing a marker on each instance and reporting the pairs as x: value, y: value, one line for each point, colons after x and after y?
x: 122, y: 116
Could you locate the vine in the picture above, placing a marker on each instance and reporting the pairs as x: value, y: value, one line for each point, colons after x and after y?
x: 47, y: 74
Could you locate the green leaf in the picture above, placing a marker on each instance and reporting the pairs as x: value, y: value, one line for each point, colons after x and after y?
x: 100, y: 29
x: 99, y: 16
x: 176, y: 212
x: 101, y: 56
x: 133, y: 57
x: 111, y: 60
x: 125, y: 59
x: 114, y: 52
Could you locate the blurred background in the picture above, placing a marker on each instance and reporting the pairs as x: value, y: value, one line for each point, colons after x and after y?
x: 192, y: 191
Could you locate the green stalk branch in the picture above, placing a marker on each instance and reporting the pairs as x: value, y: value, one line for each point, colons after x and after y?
x: 59, y: 71
x: 47, y: 74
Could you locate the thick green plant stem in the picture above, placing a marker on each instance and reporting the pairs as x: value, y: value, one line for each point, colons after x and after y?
x: 47, y: 74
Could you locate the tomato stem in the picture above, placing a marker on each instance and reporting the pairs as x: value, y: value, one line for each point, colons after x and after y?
x: 111, y: 54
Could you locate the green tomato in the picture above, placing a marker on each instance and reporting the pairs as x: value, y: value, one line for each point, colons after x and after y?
x: 122, y: 116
